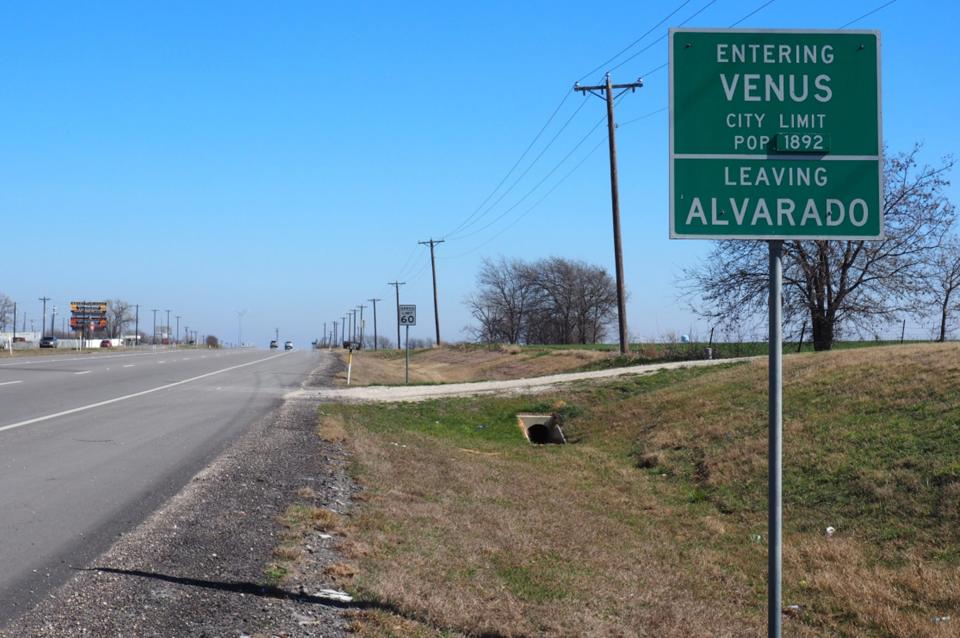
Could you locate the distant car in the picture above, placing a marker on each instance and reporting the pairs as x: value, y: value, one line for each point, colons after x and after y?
x: 49, y: 342
x: 273, y: 344
x: 106, y: 343
x: 288, y: 345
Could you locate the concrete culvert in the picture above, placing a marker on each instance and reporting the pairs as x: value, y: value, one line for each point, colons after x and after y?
x: 541, y: 428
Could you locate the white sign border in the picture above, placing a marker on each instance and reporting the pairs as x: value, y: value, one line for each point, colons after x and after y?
x: 876, y: 33
x: 401, y: 312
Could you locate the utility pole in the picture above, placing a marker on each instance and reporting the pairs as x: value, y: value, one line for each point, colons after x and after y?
x: 433, y: 266
x: 325, y: 335
x: 177, y: 337
x: 136, y: 328
x: 168, y: 326
x: 353, y: 324
x: 608, y: 95
x: 374, y: 302
x: 240, y: 314
x: 334, y: 334
x: 343, y: 328
x: 43, y: 324
x: 15, y: 326
x: 53, y: 321
x: 155, y: 311
x: 396, y: 285
x: 276, y: 334
x: 361, y: 307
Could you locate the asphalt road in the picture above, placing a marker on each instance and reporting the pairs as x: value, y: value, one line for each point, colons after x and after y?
x: 91, y: 444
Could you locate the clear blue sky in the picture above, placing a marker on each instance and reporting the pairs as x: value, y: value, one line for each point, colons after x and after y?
x: 285, y: 158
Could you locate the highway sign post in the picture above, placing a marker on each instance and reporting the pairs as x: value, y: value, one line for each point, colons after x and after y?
x: 775, y: 135
x: 407, y: 314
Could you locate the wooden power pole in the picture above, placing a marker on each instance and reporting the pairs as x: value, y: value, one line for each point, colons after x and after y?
x: 396, y: 285
x: 433, y: 266
x: 609, y: 97
x: 374, y: 302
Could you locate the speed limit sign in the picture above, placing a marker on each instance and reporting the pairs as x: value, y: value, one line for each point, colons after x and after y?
x: 408, y: 315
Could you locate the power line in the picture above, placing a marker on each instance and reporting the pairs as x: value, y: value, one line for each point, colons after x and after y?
x: 764, y: 6
x: 664, y: 36
x: 868, y: 13
x: 534, y: 205
x: 517, y: 163
x: 556, y: 135
x: 538, y: 184
x: 757, y: 10
x: 408, y: 262
x: 632, y: 44
x: 748, y: 15
x: 466, y: 222
x: 643, y: 117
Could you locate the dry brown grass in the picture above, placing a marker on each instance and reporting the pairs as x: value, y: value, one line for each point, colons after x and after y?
x: 571, y: 546
x: 451, y: 364
x: 331, y: 429
x: 298, y: 522
x: 651, y: 525
x: 893, y: 600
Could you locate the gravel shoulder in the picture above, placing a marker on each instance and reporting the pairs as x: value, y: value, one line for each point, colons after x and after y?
x: 195, y: 567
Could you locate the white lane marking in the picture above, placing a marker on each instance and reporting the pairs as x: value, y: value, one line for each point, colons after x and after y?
x: 93, y: 356
x: 11, y: 382
x: 130, y: 365
x: 132, y: 396
x: 84, y: 372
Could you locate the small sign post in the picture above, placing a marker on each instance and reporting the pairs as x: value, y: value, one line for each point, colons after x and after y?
x: 408, y: 317
x: 775, y: 135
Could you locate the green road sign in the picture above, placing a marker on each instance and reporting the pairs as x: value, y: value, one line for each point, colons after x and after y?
x: 775, y: 134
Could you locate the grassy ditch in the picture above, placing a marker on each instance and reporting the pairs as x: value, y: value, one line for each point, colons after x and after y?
x: 653, y: 521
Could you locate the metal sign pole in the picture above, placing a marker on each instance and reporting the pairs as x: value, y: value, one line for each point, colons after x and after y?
x: 406, y: 371
x: 775, y: 443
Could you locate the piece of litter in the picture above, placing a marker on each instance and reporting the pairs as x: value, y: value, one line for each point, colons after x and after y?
x: 831, y: 530
x: 756, y: 538
x: 792, y: 610
x: 326, y: 536
x: 333, y: 594
x: 940, y: 619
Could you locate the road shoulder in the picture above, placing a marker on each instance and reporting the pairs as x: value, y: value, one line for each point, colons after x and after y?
x: 198, y: 565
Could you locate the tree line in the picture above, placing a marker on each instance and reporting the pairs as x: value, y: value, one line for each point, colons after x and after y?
x: 548, y: 301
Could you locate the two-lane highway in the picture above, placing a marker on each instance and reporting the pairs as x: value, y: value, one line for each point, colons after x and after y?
x: 91, y: 444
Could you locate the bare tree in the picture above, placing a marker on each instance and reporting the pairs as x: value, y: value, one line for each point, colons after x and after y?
x: 831, y: 282
x: 552, y: 300
x: 506, y: 294
x: 944, y: 283
x: 118, y: 316
x: 6, y: 311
